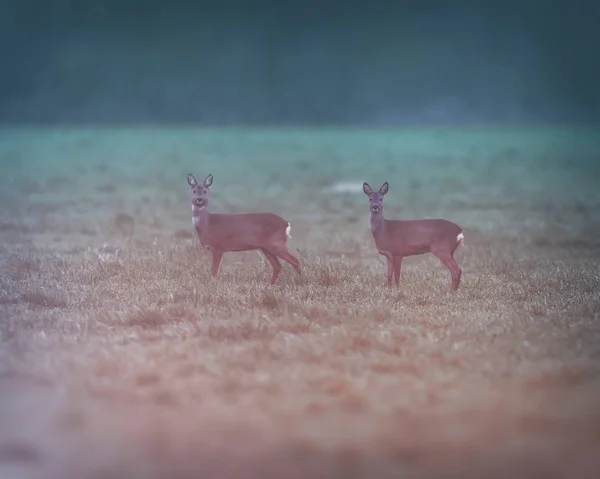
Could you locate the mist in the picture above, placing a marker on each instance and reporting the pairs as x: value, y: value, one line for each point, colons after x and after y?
x: 310, y: 62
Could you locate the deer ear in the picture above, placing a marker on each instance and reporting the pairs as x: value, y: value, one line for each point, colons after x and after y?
x: 384, y: 188
x: 208, y: 180
x: 367, y: 189
x: 192, y: 181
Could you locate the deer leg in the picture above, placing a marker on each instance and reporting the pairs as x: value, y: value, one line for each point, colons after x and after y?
x: 390, y: 275
x: 397, y: 269
x: 285, y: 255
x: 446, y: 258
x: 274, y: 262
x: 216, y: 261
x: 457, y: 273
x: 390, y: 265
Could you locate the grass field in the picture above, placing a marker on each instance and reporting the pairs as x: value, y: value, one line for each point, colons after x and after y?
x: 121, y: 358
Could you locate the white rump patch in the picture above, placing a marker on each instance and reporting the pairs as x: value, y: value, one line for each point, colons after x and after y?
x: 460, y: 238
x: 288, y: 229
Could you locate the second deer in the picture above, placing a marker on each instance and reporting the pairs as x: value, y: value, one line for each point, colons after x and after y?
x: 220, y: 233
x: 396, y: 239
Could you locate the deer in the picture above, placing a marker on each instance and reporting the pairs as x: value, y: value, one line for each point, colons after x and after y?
x: 221, y: 233
x: 397, y: 239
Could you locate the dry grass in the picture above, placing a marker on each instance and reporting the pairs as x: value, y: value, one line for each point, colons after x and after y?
x: 122, y: 358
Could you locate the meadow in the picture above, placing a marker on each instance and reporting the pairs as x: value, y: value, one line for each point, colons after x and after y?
x: 120, y: 357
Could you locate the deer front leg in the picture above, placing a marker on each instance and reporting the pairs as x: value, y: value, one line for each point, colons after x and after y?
x: 397, y: 269
x: 390, y: 265
x: 216, y: 261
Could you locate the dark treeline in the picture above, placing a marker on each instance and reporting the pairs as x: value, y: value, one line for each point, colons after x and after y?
x: 299, y: 62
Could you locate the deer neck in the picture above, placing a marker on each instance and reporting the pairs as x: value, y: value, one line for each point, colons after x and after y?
x: 377, y: 224
x: 200, y: 219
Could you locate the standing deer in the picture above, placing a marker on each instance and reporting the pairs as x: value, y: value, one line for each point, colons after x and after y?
x: 220, y: 233
x: 396, y: 239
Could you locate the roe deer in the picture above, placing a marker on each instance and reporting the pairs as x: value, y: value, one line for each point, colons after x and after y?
x: 396, y: 239
x: 220, y: 233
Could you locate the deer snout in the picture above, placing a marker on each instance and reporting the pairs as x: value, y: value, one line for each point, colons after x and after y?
x: 375, y: 208
x: 199, y: 201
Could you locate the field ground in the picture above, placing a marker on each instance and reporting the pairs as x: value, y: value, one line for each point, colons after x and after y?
x: 120, y: 358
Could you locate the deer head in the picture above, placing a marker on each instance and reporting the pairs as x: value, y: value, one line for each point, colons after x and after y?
x: 376, y: 198
x: 200, y: 192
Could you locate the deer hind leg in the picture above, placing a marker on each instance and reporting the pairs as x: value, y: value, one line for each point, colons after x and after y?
x: 274, y: 263
x: 216, y: 261
x: 284, y: 254
x: 397, y: 269
x: 281, y: 250
x: 278, y: 247
x: 290, y: 258
x: 446, y: 257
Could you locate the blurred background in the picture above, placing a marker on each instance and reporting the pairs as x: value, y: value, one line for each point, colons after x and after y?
x: 307, y: 62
